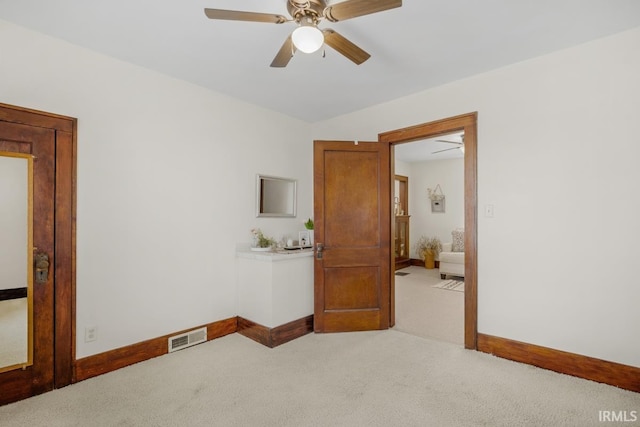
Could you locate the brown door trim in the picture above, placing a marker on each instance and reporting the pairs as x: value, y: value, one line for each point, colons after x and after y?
x: 468, y: 123
x: 65, y: 231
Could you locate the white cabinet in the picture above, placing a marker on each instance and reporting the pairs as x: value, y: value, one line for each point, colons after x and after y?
x: 275, y: 288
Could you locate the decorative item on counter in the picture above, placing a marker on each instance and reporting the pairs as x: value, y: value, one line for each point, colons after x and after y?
x: 303, y: 239
x: 309, y: 226
x: 429, y: 248
x: 260, y: 241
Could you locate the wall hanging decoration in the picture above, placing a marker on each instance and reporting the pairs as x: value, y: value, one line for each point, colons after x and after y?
x: 437, y: 199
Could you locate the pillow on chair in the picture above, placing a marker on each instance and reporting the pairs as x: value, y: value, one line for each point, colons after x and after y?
x: 458, y: 240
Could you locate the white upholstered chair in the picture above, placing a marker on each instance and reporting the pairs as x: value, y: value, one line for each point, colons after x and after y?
x: 452, y: 256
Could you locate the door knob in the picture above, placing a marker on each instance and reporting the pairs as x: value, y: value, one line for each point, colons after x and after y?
x: 319, y: 250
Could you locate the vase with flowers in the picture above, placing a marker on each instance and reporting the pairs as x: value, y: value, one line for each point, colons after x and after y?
x: 260, y: 241
x: 429, y: 248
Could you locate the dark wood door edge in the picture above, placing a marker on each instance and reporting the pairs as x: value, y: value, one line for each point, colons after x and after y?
x: 111, y: 360
x: 602, y: 371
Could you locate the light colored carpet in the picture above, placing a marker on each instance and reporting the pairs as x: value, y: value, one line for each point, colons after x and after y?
x: 450, y: 285
x: 425, y: 311
x: 381, y: 378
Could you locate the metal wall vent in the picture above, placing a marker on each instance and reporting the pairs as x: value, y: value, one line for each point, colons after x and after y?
x: 187, y: 339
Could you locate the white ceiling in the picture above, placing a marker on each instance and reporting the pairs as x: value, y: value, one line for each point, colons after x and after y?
x: 425, y: 150
x: 423, y: 44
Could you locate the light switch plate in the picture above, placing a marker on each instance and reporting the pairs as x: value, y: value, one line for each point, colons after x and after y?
x: 488, y: 211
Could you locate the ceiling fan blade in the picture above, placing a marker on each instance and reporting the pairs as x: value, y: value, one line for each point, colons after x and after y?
x: 236, y: 15
x: 353, y: 8
x: 449, y: 142
x: 285, y: 54
x: 345, y: 47
x: 446, y: 149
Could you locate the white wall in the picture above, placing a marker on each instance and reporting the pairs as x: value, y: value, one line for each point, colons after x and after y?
x: 449, y: 174
x: 403, y: 168
x: 166, y: 185
x: 558, y: 157
x: 166, y: 188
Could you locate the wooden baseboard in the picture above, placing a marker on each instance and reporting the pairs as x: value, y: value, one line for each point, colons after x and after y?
x: 119, y: 358
x: 420, y: 262
x: 417, y: 262
x: 111, y: 360
x: 402, y: 263
x: 15, y: 293
x: 602, y: 371
x: 273, y: 337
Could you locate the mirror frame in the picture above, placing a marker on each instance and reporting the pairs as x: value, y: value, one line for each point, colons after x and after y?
x: 259, y: 196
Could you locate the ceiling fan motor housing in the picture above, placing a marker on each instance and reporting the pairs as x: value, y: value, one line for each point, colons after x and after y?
x: 312, y: 9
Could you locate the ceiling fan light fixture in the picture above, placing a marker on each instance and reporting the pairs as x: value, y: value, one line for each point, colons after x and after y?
x: 307, y: 38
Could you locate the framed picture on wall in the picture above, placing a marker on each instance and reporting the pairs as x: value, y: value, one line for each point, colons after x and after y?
x: 437, y: 206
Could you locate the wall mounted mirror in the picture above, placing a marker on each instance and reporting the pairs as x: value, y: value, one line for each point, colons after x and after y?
x: 16, y: 261
x: 275, y: 196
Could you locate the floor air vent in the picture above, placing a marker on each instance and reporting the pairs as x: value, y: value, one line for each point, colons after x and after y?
x: 187, y: 339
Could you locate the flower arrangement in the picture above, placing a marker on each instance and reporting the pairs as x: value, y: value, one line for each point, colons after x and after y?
x: 425, y: 244
x: 262, y: 241
x: 428, y: 248
x: 309, y: 224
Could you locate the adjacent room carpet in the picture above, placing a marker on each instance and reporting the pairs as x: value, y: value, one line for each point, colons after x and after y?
x: 426, y: 311
x: 450, y: 285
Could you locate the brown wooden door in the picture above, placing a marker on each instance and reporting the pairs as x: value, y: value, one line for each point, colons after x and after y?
x: 352, y: 214
x: 39, y: 142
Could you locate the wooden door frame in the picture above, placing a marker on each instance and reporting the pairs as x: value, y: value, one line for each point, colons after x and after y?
x: 467, y: 123
x: 65, y: 232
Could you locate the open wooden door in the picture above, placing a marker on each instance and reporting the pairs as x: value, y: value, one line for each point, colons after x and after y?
x: 352, y: 215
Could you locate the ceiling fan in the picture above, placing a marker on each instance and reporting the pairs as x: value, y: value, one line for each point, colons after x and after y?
x: 460, y: 145
x: 307, y: 14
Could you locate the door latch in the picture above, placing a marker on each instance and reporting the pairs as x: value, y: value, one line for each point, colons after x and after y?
x: 42, y: 267
x: 319, y: 250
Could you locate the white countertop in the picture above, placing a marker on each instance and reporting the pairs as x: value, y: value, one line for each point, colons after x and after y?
x: 276, y: 255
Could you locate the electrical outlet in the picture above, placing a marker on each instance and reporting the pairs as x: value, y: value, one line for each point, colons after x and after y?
x: 90, y: 334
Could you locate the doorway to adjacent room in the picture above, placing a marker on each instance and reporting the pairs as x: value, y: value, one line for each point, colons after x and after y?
x: 467, y: 124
